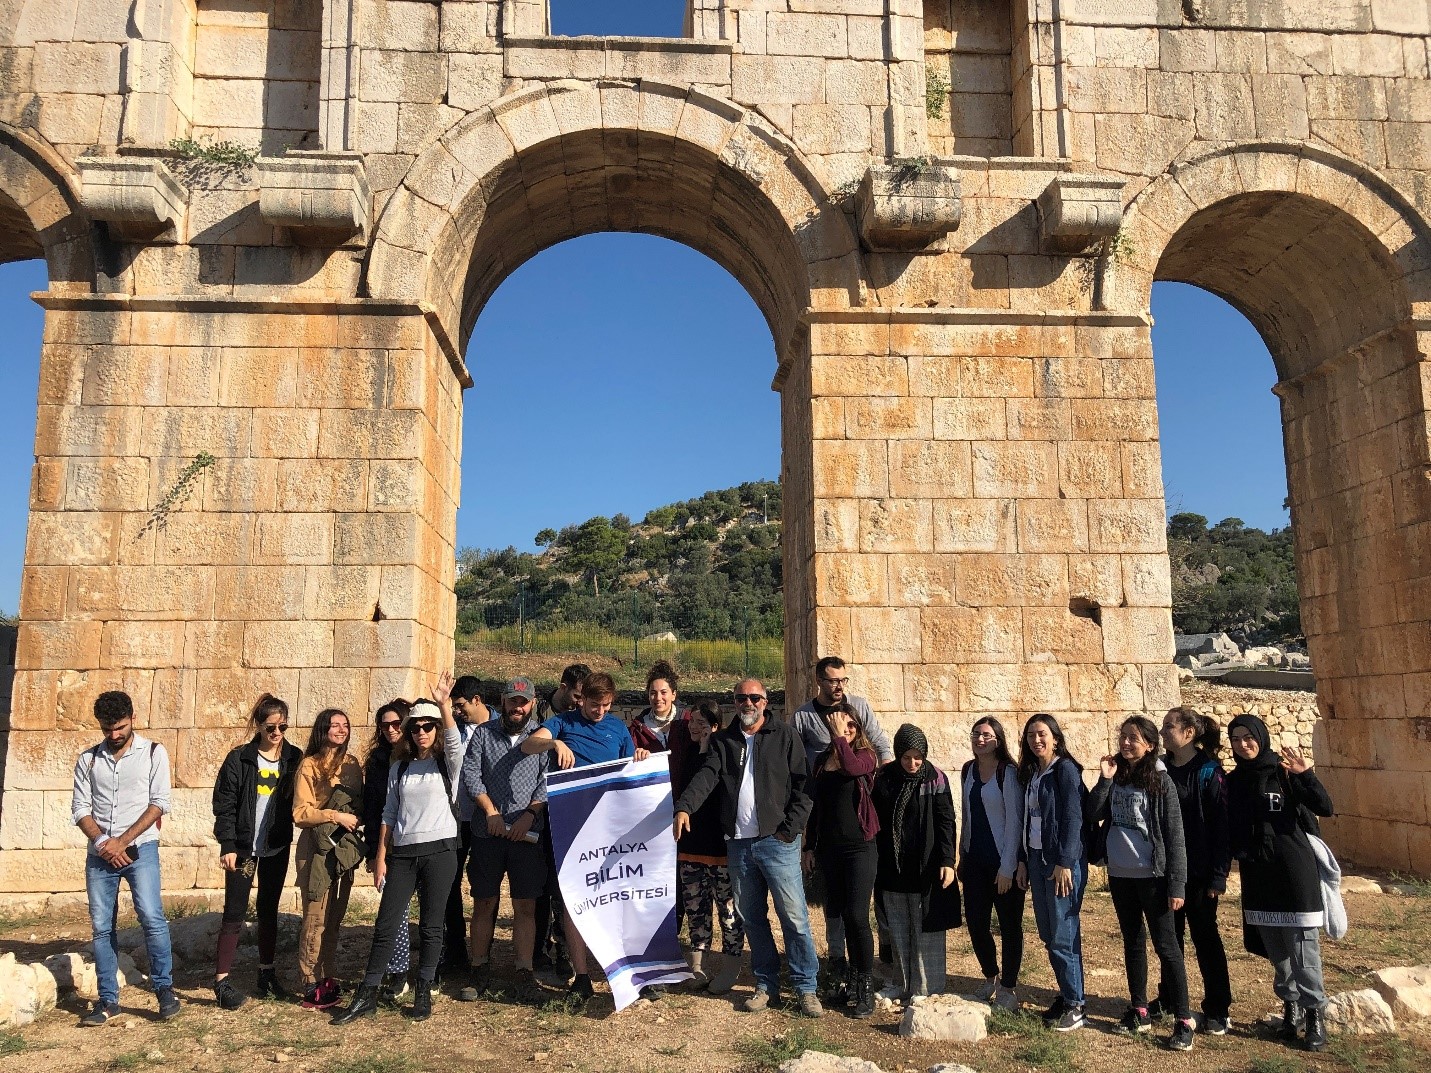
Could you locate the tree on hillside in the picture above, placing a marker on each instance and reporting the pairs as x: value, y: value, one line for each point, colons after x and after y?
x: 595, y: 549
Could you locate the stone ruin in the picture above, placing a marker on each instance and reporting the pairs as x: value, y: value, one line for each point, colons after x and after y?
x: 951, y: 214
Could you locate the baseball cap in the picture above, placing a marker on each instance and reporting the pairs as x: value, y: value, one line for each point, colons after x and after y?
x: 520, y: 687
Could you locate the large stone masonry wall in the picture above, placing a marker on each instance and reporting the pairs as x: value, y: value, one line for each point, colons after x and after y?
x: 314, y: 559
x: 974, y: 507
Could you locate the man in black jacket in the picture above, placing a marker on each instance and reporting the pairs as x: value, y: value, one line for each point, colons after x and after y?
x: 758, y: 767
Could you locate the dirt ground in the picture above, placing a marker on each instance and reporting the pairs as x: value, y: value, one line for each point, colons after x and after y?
x: 701, y: 1033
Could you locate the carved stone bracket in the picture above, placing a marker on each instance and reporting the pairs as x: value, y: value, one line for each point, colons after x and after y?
x: 1077, y: 211
x: 907, y: 207
x: 321, y: 197
x: 137, y: 197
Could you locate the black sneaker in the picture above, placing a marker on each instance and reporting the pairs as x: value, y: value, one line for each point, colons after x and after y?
x: 1215, y: 1026
x: 1071, y: 1020
x: 227, y: 995
x: 1156, y: 1010
x: 1182, y: 1037
x: 168, y: 1003
x: 1133, y: 1022
x: 1054, y: 1012
x: 100, y: 1014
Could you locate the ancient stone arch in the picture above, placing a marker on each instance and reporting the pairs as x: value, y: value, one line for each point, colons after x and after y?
x: 951, y: 215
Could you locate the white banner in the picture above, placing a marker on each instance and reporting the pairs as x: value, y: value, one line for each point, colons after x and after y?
x: 616, y: 863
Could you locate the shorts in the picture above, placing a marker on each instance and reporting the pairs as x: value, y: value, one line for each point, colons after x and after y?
x: 523, y: 863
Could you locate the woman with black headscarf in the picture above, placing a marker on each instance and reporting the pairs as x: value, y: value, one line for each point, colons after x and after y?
x: 1272, y: 804
x: 915, y: 878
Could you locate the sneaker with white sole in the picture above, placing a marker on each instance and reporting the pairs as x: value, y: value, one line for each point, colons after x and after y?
x: 1133, y: 1022
x: 1215, y: 1026
x: 986, y: 991
x: 1182, y: 1037
x: 1071, y: 1019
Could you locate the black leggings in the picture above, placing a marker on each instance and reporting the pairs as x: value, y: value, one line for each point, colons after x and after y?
x: 431, y: 876
x: 1136, y: 901
x: 454, y: 944
x: 849, y: 871
x: 981, y: 901
x: 269, y: 875
x: 1199, y: 916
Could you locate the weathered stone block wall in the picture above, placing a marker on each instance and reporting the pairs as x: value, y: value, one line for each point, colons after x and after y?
x: 314, y: 559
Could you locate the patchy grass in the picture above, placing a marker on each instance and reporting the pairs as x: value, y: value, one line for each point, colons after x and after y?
x: 767, y: 1052
x: 130, y: 1060
x: 1046, y: 1050
x: 1275, y: 1064
x: 1023, y: 1023
x: 11, y: 1043
x: 1377, y: 1054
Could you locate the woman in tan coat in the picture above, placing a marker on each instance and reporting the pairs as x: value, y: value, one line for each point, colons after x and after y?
x: 327, y: 767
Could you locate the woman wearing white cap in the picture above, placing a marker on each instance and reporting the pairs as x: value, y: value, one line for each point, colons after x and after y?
x: 417, y: 849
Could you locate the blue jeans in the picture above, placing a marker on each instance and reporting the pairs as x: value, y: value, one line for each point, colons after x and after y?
x: 1059, y: 927
x: 767, y: 865
x: 102, y: 885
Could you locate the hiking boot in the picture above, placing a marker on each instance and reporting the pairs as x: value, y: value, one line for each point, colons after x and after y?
x: 168, y: 1003
x: 421, y: 1008
x: 864, y: 996
x: 1182, y: 1037
x: 725, y: 979
x: 1133, y: 1022
x: 529, y: 989
x: 839, y: 988
x: 227, y: 995
x: 364, y: 1004
x: 267, y: 986
x: 580, y: 992
x: 1071, y: 1020
x: 810, y: 1005
x: 393, y: 987
x: 100, y: 1014
x: 1291, y: 1022
x: 479, y: 980
x: 758, y: 1002
x: 1316, y: 1021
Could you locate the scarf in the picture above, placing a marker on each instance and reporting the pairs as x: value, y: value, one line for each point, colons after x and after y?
x: 1245, y: 781
x: 906, y: 738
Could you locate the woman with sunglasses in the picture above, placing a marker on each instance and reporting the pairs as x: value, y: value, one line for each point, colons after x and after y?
x: 386, y: 734
x: 417, y: 847
x: 253, y: 824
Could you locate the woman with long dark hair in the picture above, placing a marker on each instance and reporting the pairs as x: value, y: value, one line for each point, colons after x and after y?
x: 1193, y: 742
x: 1057, y: 861
x: 915, y: 878
x: 701, y: 859
x: 989, y: 865
x: 1272, y: 805
x: 326, y: 800
x: 253, y: 824
x: 387, y: 732
x: 840, y: 835
x: 417, y: 848
x: 1135, y: 808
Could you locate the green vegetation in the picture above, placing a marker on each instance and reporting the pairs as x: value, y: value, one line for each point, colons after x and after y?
x: 936, y: 93
x: 224, y: 154
x: 11, y: 1043
x: 1004, y: 1022
x: 1275, y: 1064
x: 707, y: 569
x: 1229, y: 578
x: 1046, y: 1050
x: 768, y: 1052
x: 1378, y: 1054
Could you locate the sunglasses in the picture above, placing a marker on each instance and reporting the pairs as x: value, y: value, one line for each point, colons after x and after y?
x: 390, y: 724
x: 424, y: 728
x: 754, y: 698
x: 281, y: 728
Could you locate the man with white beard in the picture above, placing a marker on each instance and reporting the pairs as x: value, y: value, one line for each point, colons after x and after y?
x: 758, y: 766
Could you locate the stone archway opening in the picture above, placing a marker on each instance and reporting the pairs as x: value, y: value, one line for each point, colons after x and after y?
x: 618, y: 378
x: 1331, y: 304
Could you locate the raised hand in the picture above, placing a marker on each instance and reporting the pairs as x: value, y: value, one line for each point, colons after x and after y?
x: 442, y: 691
x: 1108, y: 766
x: 1294, y: 761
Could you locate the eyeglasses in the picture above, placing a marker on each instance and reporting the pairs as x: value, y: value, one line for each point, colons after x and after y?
x: 390, y: 724
x: 836, y: 681
x: 281, y: 728
x: 424, y: 728
x: 753, y: 698
x: 984, y: 737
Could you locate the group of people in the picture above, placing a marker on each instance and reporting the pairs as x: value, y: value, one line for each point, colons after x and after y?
x: 765, y: 807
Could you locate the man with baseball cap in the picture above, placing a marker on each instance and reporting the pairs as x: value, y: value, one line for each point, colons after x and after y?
x: 508, y: 789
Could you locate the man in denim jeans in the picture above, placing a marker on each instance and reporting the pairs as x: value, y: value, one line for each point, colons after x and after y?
x: 758, y: 765
x: 121, y: 790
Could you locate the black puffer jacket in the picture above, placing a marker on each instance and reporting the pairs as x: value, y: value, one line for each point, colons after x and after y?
x: 236, y: 794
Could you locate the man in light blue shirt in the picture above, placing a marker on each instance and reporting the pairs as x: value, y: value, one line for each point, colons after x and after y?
x: 121, y: 789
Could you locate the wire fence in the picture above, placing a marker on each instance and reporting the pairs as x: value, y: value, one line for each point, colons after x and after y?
x: 621, y: 627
